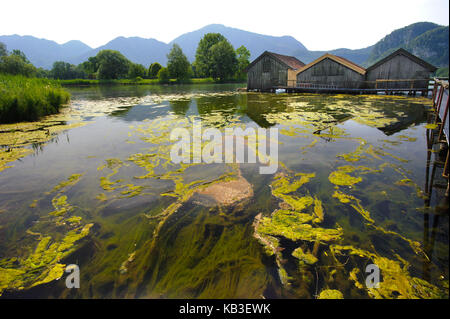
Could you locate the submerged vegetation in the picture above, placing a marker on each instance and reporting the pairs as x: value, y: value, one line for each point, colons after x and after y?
x: 43, y: 263
x: 141, y: 226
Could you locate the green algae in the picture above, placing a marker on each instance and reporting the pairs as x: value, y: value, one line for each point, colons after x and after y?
x: 431, y: 126
x: 354, y: 156
x: 292, y: 230
x: 405, y: 182
x: 74, y: 219
x: 396, y: 280
x: 42, y: 265
x: 318, y: 209
x: 406, y: 138
x: 284, y: 185
x: 61, y: 206
x: 341, y: 178
x: 101, y: 197
x: 132, y: 190
x: 186, y: 259
x: 55, y: 273
x: 330, y: 294
x: 124, y: 266
x: 202, y: 262
x: 10, y: 155
x: 304, y: 258
x: 292, y: 224
x: 16, y: 139
x: 356, y: 204
x: 415, y: 245
x: 72, y: 180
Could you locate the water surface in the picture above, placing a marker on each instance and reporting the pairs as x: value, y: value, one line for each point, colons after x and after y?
x: 349, y: 191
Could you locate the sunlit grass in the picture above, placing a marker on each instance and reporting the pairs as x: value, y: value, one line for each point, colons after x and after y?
x: 28, y: 99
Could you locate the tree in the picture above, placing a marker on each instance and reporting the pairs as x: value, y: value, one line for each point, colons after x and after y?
x: 203, y: 63
x: 163, y: 75
x: 243, y: 58
x: 136, y: 70
x: 178, y: 64
x: 15, y: 64
x: 42, y: 73
x: 112, y: 65
x: 223, y: 60
x: 3, y: 50
x: 21, y: 55
x: 89, y: 67
x: 153, y: 70
x: 63, y: 71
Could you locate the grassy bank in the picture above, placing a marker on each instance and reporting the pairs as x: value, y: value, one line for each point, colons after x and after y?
x: 28, y: 99
x: 139, y: 82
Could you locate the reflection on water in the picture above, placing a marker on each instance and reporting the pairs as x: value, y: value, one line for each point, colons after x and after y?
x: 105, y: 196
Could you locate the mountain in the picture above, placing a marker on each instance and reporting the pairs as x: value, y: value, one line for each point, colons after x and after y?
x: 400, y: 38
x: 254, y: 42
x: 359, y: 56
x: 431, y: 46
x: 42, y: 52
x: 138, y: 50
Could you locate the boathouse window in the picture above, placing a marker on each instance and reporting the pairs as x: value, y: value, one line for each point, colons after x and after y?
x: 266, y: 66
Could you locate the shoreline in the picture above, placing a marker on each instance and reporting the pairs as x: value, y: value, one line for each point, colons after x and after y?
x: 87, y: 82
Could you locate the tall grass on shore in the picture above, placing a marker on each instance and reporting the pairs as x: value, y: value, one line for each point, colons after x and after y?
x: 28, y: 99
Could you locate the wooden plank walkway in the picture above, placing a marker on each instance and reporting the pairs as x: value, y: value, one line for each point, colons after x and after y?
x: 290, y: 89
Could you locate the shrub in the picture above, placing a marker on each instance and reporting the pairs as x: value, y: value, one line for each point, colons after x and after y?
x: 163, y: 75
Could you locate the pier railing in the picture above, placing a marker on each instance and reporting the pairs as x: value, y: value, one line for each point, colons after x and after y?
x: 377, y: 85
x: 439, y: 132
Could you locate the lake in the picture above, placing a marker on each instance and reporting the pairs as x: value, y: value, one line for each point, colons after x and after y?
x: 96, y: 187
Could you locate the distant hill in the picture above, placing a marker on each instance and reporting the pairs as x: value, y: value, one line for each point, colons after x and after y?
x: 417, y: 38
x: 42, y: 52
x: 254, y: 42
x: 432, y: 46
x: 428, y: 41
x: 138, y: 50
x: 359, y: 56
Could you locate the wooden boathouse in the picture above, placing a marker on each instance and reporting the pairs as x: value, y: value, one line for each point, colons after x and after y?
x: 272, y: 70
x: 400, y: 65
x: 331, y: 71
x: 400, y: 71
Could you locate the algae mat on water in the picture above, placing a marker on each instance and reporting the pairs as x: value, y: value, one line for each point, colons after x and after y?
x: 346, y: 194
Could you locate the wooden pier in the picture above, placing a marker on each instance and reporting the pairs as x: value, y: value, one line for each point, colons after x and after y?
x: 438, y: 129
x: 405, y: 86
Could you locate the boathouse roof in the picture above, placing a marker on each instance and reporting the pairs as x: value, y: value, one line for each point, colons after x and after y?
x: 403, y: 52
x: 347, y: 63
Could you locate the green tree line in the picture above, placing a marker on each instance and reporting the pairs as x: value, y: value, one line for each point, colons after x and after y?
x: 215, y: 58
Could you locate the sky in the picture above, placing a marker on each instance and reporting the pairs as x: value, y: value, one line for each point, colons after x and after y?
x: 318, y: 24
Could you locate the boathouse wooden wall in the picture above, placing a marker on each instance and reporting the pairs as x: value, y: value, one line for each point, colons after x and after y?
x: 399, y: 67
x: 329, y: 72
x: 266, y: 74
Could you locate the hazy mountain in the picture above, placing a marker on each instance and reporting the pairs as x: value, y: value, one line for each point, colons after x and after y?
x: 254, y: 42
x: 42, y: 52
x: 138, y: 50
x: 427, y: 40
x: 359, y: 56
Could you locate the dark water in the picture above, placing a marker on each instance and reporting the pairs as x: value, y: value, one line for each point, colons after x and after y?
x: 149, y: 235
